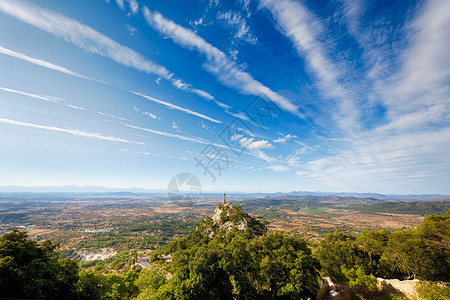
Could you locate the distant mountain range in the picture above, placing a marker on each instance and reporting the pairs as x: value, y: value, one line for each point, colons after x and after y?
x: 134, y: 190
x: 78, y: 189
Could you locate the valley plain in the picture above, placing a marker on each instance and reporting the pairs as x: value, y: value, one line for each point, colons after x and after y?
x: 126, y: 221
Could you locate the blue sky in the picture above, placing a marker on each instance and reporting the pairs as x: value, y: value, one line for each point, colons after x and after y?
x: 351, y: 95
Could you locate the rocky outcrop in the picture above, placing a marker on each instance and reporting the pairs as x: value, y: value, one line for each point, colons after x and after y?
x: 330, y: 291
x: 228, y: 217
x: 405, y: 288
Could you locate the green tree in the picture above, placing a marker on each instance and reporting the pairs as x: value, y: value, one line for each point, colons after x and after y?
x: 121, y: 286
x: 359, y: 280
x: 237, y: 265
x: 90, y: 285
x: 339, y: 249
x: 32, y: 270
x: 285, y: 267
x: 374, y: 243
x: 148, y: 283
x: 435, y: 232
x: 423, y: 252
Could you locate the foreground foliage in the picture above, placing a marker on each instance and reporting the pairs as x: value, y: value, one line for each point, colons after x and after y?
x: 32, y: 270
x: 237, y: 265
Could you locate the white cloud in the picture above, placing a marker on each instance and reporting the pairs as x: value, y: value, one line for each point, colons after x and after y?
x: 237, y: 23
x: 283, y: 139
x: 112, y: 116
x: 56, y: 99
x: 195, y: 23
x: 86, y: 38
x: 410, y: 152
x: 179, y: 137
x: 75, y: 107
x: 422, y: 82
x: 278, y: 168
x: 69, y: 131
x: 26, y: 94
x: 246, y: 7
x: 120, y: 4
x: 80, y: 35
x: 251, y: 144
x: 172, y: 106
x: 298, y: 24
x: 174, y: 125
x: 131, y: 29
x: 134, y: 6
x: 262, y: 155
x: 203, y: 94
x: 176, y: 136
x: 225, y: 70
x: 236, y: 137
x: 153, y: 116
x: 45, y: 64
x: 410, y: 163
x: 293, y: 161
x: 208, y: 96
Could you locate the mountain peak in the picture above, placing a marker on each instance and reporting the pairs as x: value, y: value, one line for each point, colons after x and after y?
x: 228, y: 217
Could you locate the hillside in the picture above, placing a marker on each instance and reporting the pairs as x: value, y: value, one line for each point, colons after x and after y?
x: 228, y: 217
x: 232, y: 255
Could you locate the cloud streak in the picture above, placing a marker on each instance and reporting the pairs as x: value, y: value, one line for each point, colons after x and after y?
x: 177, y: 136
x: 226, y: 71
x: 297, y: 23
x: 237, y: 23
x: 26, y: 94
x: 69, y: 131
x: 45, y: 64
x: 172, y: 106
x: 87, y: 39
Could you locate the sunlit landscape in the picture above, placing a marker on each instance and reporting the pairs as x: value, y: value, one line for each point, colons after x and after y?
x: 224, y: 149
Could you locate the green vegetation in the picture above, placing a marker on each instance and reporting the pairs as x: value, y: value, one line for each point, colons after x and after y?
x: 413, y: 208
x: 139, y: 236
x: 230, y: 256
x: 240, y: 266
x: 433, y: 291
x: 422, y: 253
x: 32, y: 270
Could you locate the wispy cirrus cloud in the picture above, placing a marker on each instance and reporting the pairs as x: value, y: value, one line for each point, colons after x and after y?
x: 45, y: 64
x: 237, y: 23
x: 411, y: 163
x: 284, y: 138
x: 300, y: 26
x: 132, y: 4
x: 58, y: 100
x: 173, y: 106
x: 69, y: 131
x: 408, y: 153
x: 226, y: 71
x: 27, y: 94
x: 251, y: 144
x: 87, y: 39
x: 178, y: 136
x: 422, y: 82
x: 278, y: 168
x: 121, y: 4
